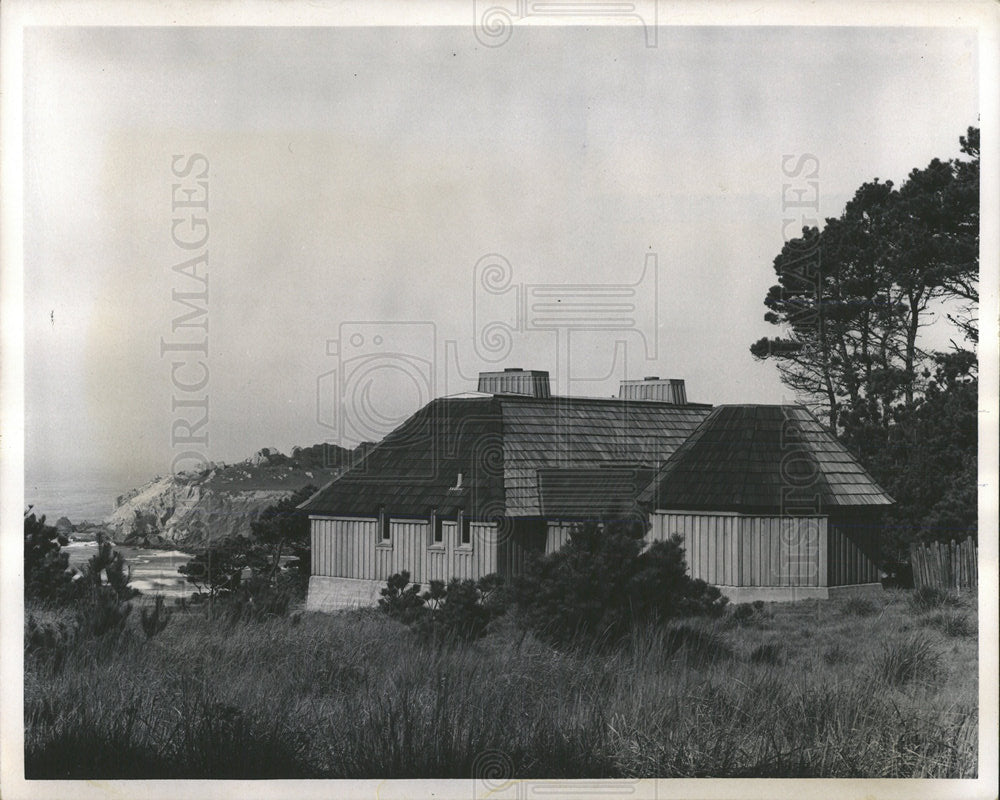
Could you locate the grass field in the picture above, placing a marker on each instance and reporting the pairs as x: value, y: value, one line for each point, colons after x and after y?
x: 812, y: 689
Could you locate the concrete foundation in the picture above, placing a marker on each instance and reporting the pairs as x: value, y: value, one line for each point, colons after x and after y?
x: 788, y: 594
x: 337, y: 594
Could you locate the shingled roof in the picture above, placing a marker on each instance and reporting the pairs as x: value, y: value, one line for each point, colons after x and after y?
x: 762, y: 458
x: 499, y: 444
x: 582, y: 493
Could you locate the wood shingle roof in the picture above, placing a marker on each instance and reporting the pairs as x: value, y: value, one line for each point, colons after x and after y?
x: 761, y: 458
x: 499, y: 443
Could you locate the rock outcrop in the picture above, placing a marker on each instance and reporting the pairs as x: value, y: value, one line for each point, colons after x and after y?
x: 190, y: 509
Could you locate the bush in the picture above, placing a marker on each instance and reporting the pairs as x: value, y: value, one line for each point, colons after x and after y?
x: 282, y: 529
x: 912, y: 659
x: 953, y: 623
x: 466, y: 608
x: 104, y: 593
x: 110, y: 564
x: 218, y: 570
x: 460, y: 609
x: 258, y: 599
x: 102, y: 614
x: 928, y: 598
x: 155, y: 620
x: 46, y: 567
x: 401, y: 601
x: 277, y: 554
x: 603, y: 582
x: 49, y: 637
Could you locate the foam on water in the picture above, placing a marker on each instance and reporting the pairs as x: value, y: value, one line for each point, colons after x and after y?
x: 153, y: 571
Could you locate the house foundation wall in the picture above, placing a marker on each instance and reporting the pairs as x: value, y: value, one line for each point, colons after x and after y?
x: 790, y: 594
x: 339, y: 594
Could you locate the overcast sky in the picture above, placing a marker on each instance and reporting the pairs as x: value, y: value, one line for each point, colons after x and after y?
x: 356, y: 176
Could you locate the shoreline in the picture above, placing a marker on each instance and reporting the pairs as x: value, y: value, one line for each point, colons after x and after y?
x: 88, y: 538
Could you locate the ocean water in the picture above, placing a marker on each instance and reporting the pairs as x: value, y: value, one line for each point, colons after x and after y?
x: 92, y: 499
x: 153, y: 571
x: 78, y: 499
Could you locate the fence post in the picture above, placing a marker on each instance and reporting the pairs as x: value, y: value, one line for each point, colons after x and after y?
x: 947, y: 565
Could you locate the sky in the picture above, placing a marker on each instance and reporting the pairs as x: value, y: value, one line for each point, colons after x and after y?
x: 358, y: 177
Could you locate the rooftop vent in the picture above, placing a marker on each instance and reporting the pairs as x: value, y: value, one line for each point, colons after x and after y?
x: 530, y: 382
x: 670, y: 390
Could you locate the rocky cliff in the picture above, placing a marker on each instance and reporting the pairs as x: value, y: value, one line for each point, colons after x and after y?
x: 189, y: 509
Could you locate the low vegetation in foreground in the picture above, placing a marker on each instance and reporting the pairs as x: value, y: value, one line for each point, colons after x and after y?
x: 604, y: 659
x: 822, y: 689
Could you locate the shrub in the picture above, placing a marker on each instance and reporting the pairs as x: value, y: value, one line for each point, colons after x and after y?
x: 218, y: 570
x: 49, y: 637
x: 859, y: 607
x: 46, y: 567
x: 908, y: 660
x: 401, y: 601
x: 928, y: 598
x: 155, y: 620
x: 103, y: 614
x: 258, y: 599
x: 459, y: 609
x: 603, y: 582
x: 952, y: 623
x: 110, y: 564
x: 104, y: 593
x: 283, y: 528
x: 467, y: 608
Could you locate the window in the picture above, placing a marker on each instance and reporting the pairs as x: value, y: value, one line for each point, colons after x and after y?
x: 466, y: 537
x: 437, y: 530
x: 385, y: 532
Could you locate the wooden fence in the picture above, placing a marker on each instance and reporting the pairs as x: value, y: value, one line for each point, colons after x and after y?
x: 946, y: 566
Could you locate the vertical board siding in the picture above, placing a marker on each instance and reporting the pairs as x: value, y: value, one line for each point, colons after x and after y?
x: 352, y: 548
x: 523, y: 537
x: 344, y: 548
x: 851, y: 554
x: 463, y: 565
x: 410, y: 540
x: 484, y: 542
x: 556, y: 535
x: 748, y: 550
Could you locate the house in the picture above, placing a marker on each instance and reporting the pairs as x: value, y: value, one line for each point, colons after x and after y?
x: 471, y: 483
x: 770, y: 506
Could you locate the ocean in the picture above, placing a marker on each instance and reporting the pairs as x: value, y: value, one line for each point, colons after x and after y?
x: 78, y: 499
x: 153, y: 571
x: 91, y: 500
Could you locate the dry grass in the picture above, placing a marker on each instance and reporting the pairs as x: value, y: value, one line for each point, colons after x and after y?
x: 808, y: 689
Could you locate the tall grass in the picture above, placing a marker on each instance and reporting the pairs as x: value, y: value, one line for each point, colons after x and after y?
x: 357, y: 695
